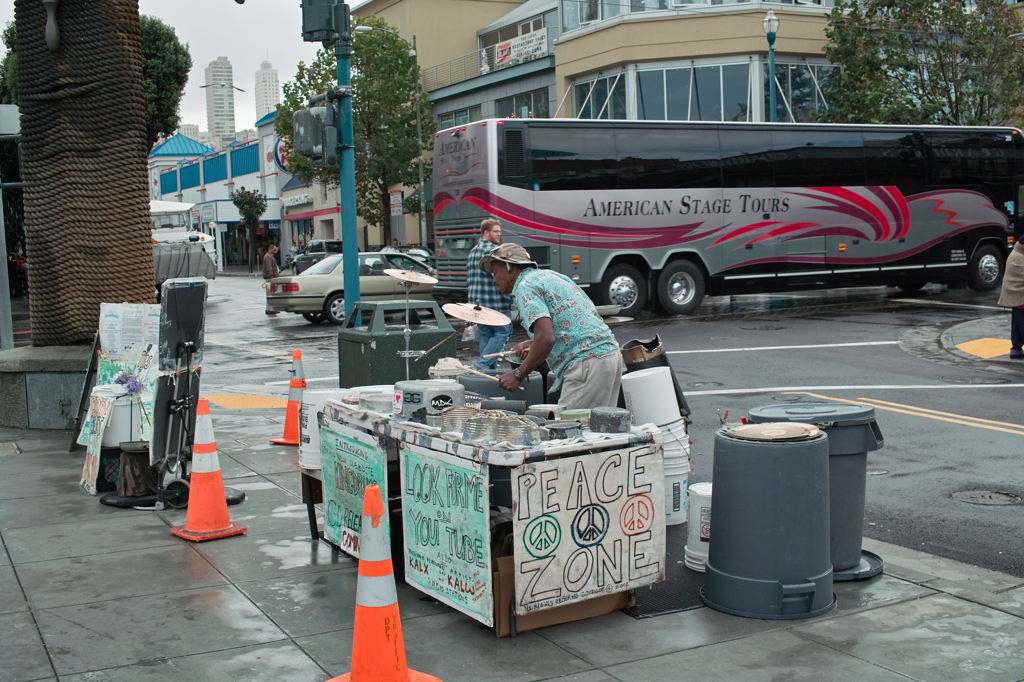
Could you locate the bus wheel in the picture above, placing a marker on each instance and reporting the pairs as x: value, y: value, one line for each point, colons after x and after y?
x: 986, y: 269
x: 681, y: 287
x: 624, y: 286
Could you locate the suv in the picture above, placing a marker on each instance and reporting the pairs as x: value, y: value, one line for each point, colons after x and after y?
x: 314, y: 252
x: 420, y: 253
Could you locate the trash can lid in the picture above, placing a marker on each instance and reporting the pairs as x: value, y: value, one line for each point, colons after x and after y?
x: 774, y: 431
x: 814, y: 413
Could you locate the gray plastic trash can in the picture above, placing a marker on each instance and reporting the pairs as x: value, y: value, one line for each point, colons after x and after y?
x: 852, y: 434
x: 769, y: 555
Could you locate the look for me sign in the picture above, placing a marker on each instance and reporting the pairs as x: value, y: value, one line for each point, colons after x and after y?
x: 586, y: 526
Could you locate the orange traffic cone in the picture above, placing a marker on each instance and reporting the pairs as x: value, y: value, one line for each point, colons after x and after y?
x: 207, y: 508
x: 291, y: 416
x: 378, y: 650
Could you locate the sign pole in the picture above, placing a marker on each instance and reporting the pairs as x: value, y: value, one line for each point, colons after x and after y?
x: 349, y: 234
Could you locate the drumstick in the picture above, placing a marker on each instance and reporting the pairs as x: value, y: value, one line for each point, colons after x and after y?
x: 498, y: 355
x: 481, y: 374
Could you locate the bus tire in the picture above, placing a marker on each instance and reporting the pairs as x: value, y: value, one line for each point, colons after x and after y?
x: 681, y: 287
x: 986, y: 268
x: 624, y: 286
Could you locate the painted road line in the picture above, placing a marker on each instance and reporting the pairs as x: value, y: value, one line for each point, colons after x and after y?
x: 956, y: 305
x: 246, y: 402
x: 880, y: 387
x: 914, y: 413
x: 282, y: 383
x: 803, y: 347
x: 945, y: 414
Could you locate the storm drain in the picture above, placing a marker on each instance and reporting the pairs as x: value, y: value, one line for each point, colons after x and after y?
x: 987, y: 497
x: 680, y: 591
x: 9, y: 449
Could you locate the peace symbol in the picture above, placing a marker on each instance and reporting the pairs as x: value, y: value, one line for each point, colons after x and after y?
x: 590, y: 525
x: 637, y: 515
x: 542, y: 536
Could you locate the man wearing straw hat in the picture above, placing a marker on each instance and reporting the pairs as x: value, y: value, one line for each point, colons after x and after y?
x: 564, y: 327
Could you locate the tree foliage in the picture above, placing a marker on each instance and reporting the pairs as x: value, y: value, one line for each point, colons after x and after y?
x: 925, y: 62
x: 165, y: 67
x: 384, y: 78
x: 251, y: 205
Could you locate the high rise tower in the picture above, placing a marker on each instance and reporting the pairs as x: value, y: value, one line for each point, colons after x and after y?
x: 268, y: 90
x: 220, y: 101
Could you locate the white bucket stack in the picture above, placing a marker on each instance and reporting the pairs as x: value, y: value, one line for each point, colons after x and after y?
x: 309, y: 427
x: 698, y: 535
x: 677, y: 471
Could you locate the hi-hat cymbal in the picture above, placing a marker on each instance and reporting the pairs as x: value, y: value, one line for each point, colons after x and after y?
x: 410, y: 276
x: 478, y: 314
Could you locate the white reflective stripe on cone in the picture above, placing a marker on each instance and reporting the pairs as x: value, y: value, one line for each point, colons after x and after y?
x: 204, y: 429
x: 295, y: 395
x: 374, y: 543
x: 297, y: 369
x: 376, y: 591
x: 205, y: 462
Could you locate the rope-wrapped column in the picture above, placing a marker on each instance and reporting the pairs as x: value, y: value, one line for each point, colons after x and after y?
x: 83, y: 133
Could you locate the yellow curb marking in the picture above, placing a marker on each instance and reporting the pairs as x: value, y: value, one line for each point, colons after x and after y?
x: 242, y: 402
x: 986, y: 348
x: 1018, y: 429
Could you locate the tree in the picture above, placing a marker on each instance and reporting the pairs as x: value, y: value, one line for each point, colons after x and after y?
x: 251, y: 206
x: 383, y: 119
x: 925, y: 62
x: 165, y: 67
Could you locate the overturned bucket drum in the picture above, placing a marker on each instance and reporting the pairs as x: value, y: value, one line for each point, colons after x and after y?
x: 769, y: 553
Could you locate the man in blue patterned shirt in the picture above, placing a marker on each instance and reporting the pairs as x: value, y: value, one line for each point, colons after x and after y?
x: 483, y: 292
x: 564, y: 327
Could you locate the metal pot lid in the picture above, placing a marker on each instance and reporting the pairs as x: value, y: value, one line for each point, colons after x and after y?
x: 774, y: 431
x: 814, y: 413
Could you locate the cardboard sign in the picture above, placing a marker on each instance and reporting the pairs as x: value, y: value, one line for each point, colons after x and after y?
x: 99, y: 411
x: 447, y: 523
x: 586, y: 526
x: 352, y: 460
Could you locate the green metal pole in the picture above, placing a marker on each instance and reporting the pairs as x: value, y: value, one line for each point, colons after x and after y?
x: 349, y: 235
x: 771, y: 77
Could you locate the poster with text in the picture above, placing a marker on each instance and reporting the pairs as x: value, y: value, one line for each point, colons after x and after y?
x: 446, y: 516
x: 352, y: 461
x: 587, y: 526
x: 99, y: 410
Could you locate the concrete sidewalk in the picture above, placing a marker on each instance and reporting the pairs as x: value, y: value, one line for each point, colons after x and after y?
x: 89, y: 592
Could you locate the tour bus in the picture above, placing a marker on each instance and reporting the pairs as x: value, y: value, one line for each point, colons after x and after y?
x: 638, y: 211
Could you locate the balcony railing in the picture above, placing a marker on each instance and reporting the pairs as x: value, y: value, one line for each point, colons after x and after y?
x: 520, y: 50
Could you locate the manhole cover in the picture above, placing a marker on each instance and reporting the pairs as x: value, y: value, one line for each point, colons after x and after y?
x: 974, y: 380
x: 987, y: 497
x: 8, y: 449
x: 703, y: 384
x: 764, y: 328
x: 876, y: 472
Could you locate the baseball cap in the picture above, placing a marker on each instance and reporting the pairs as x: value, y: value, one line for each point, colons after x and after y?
x: 507, y: 253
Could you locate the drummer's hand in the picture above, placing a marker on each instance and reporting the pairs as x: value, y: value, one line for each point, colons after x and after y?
x: 509, y: 382
x: 523, y: 349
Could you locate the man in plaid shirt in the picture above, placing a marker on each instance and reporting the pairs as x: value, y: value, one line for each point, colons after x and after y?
x: 483, y: 292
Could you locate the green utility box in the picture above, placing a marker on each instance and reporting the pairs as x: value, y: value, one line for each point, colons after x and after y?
x: 368, y: 354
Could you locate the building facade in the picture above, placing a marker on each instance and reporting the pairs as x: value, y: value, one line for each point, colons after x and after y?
x: 267, y: 90
x: 189, y: 130
x: 220, y: 101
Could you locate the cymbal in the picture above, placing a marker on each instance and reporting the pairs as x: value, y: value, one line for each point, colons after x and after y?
x: 410, y: 276
x: 478, y: 314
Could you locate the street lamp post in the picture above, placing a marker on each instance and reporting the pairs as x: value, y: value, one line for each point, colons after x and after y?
x: 771, y: 27
x: 419, y: 128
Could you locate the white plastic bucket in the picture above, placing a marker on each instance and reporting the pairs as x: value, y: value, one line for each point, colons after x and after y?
x: 676, y: 474
x: 124, y: 423
x: 309, y: 428
x: 698, y: 536
x: 650, y: 396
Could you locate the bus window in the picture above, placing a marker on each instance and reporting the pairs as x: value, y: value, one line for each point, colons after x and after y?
x: 825, y: 158
x: 664, y: 158
x: 954, y: 159
x: 573, y: 158
x: 746, y: 158
x: 894, y: 158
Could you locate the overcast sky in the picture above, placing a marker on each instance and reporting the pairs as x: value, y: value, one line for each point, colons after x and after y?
x: 242, y: 33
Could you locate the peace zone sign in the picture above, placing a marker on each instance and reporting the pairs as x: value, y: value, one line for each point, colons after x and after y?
x: 637, y: 515
x: 590, y: 525
x: 542, y: 536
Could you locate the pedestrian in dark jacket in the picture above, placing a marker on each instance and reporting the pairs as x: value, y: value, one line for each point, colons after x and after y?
x: 1012, y: 296
x: 270, y: 270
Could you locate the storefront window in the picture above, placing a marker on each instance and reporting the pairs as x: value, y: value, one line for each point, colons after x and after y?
x: 592, y: 100
x: 533, y: 104
x: 801, y: 86
x: 459, y: 117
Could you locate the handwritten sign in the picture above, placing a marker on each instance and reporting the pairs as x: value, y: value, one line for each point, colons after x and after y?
x: 352, y: 460
x: 446, y: 517
x: 586, y: 526
x: 99, y: 411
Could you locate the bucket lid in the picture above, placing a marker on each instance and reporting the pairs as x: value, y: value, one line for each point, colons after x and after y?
x: 815, y: 413
x: 703, y: 488
x: 774, y: 431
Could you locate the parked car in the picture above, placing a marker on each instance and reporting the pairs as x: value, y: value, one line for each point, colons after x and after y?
x: 314, y: 252
x: 318, y: 293
x: 419, y: 252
